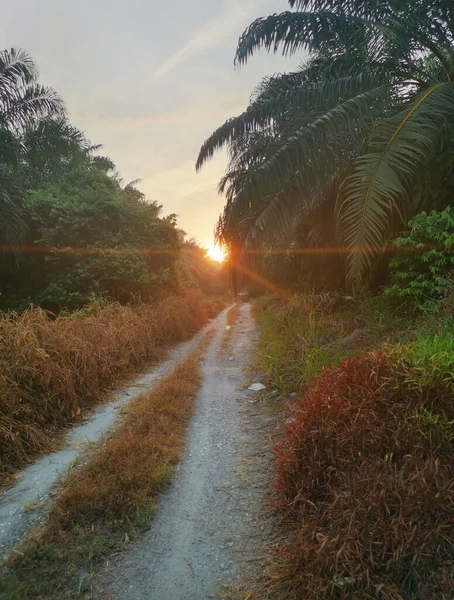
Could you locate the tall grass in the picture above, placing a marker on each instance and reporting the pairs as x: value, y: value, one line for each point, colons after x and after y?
x: 297, y: 341
x: 111, y: 498
x: 52, y: 370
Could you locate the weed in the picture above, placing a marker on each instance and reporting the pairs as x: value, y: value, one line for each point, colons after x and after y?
x: 53, y: 370
x: 365, y: 479
x: 111, y: 498
x: 296, y: 342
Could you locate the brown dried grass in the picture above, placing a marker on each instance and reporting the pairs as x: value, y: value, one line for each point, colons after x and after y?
x: 52, y: 370
x: 365, y: 479
x: 131, y: 467
x: 111, y: 498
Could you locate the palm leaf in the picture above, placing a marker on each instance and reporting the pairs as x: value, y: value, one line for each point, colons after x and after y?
x: 311, y: 156
x: 305, y: 99
x: 380, y: 180
x: 11, y: 224
x: 293, y: 31
x: 359, y: 8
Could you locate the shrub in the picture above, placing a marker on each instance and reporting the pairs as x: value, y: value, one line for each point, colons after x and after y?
x: 53, y: 370
x: 422, y: 271
x: 365, y: 476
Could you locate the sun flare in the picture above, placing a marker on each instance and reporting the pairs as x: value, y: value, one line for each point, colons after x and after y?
x: 216, y: 253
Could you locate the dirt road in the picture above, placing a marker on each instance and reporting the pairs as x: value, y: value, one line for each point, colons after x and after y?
x: 25, y: 504
x: 207, y: 517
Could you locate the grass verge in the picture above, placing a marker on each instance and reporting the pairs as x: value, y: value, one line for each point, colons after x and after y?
x: 53, y: 370
x: 364, y: 478
x: 301, y: 336
x: 110, y: 499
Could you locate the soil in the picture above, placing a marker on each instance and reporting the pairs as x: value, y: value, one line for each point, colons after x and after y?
x: 210, y: 527
x: 24, y: 504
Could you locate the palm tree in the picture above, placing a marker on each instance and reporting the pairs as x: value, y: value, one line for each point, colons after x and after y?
x: 23, y: 102
x: 371, y: 111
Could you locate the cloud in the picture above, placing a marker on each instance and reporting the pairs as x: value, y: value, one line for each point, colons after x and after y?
x: 211, y: 34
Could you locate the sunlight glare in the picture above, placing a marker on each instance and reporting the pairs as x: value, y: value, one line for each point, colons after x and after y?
x: 216, y: 253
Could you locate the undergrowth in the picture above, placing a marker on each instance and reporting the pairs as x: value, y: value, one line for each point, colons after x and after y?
x: 110, y: 499
x: 365, y: 464
x: 52, y: 370
x: 301, y: 336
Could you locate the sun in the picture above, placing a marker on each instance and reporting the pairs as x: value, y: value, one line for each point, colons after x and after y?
x: 216, y: 253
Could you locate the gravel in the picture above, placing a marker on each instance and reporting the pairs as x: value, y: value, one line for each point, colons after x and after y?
x: 206, y: 517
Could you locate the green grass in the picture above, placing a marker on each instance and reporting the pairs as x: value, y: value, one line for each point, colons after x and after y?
x: 296, y: 343
x: 297, y: 340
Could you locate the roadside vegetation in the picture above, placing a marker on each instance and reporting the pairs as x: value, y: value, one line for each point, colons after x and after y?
x: 95, y: 283
x: 110, y: 497
x: 54, y: 370
x: 339, y: 196
x: 364, y: 463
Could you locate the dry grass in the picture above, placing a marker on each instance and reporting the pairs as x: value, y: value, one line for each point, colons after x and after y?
x: 233, y: 313
x: 106, y: 501
x: 365, y: 479
x: 53, y: 370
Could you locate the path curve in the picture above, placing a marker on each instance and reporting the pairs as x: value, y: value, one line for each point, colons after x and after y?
x: 189, y: 550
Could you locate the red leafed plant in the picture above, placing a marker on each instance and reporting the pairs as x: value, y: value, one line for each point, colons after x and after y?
x: 365, y: 477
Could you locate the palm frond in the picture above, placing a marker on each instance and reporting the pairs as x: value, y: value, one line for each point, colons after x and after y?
x: 305, y: 99
x: 16, y: 67
x: 293, y: 31
x: 359, y: 8
x: 11, y: 224
x: 381, y: 179
x: 312, y: 155
x: 33, y: 103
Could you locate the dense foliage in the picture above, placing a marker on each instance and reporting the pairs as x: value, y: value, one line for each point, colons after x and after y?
x: 331, y: 160
x: 69, y: 228
x: 86, y: 234
x: 423, y: 268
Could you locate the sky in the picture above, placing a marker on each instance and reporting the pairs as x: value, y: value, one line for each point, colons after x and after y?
x: 150, y: 81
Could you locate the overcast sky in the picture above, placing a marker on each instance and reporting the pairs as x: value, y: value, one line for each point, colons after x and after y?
x: 150, y: 81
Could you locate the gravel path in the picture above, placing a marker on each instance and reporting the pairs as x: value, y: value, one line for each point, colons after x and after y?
x: 205, y: 519
x: 25, y: 504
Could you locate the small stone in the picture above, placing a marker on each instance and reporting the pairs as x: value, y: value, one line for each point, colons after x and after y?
x: 257, y: 387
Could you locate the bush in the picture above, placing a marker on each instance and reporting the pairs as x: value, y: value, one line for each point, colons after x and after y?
x: 422, y: 272
x: 365, y: 475
x: 86, y: 234
x: 53, y: 370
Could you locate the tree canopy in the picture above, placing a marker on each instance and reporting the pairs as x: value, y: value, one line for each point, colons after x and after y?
x: 341, y: 153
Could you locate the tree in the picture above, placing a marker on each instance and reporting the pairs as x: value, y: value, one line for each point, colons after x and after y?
x: 370, y: 113
x: 86, y: 234
x: 22, y: 102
